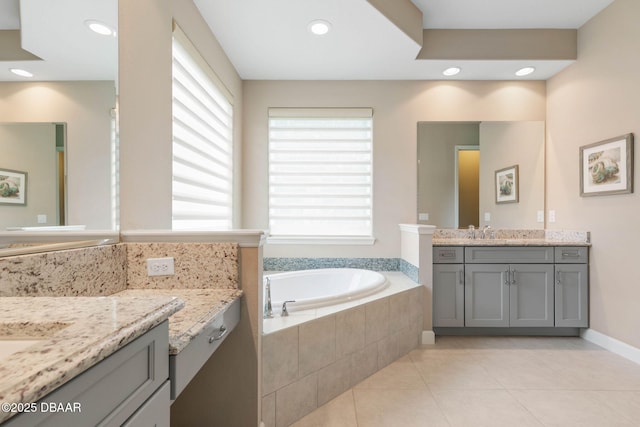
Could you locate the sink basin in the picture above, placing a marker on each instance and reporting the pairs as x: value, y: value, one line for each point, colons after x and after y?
x: 18, y: 336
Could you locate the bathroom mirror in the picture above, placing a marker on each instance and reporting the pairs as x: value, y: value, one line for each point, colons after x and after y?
x: 59, y: 126
x: 458, y: 179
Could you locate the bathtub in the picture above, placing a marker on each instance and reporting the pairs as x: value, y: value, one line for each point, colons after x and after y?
x: 322, y: 287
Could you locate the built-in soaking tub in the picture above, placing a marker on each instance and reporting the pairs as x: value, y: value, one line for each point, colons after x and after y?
x: 345, y: 325
x: 322, y: 287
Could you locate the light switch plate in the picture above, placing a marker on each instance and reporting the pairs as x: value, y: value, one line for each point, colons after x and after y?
x: 423, y: 217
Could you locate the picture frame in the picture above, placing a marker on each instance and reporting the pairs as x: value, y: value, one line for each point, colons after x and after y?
x: 606, y: 167
x: 13, y: 187
x: 507, y: 185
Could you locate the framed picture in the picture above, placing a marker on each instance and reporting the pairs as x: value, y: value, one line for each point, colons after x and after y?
x: 507, y: 185
x: 606, y: 167
x: 13, y: 187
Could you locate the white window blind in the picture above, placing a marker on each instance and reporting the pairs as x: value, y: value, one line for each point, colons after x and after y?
x: 202, y: 143
x: 320, y: 172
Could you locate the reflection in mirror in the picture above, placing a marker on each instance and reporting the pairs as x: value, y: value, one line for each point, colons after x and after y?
x: 448, y: 198
x: 35, y: 191
x: 70, y: 98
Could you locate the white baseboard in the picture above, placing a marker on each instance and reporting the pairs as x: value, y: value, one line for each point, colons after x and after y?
x: 611, y: 344
x: 428, y: 338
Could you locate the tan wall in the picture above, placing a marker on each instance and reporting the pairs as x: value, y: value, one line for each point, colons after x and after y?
x: 145, y: 105
x: 398, y: 107
x: 30, y: 148
x: 508, y: 144
x: 596, y: 99
x: 85, y: 106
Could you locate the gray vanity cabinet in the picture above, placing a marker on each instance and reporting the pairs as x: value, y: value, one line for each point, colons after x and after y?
x: 129, y: 388
x: 448, y: 295
x: 448, y: 287
x: 486, y: 295
x: 509, y: 287
x: 485, y: 287
x: 509, y: 295
x: 572, y: 287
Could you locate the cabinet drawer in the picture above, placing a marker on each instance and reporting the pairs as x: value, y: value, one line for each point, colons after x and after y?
x: 448, y: 255
x: 186, y: 364
x: 520, y: 254
x: 572, y: 254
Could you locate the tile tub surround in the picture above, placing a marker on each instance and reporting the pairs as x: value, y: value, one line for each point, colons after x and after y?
x: 84, y: 331
x: 200, y: 307
x: 197, y: 265
x: 318, y: 354
x: 93, y: 271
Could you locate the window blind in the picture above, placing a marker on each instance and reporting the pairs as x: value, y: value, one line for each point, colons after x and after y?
x: 202, y: 143
x: 320, y: 172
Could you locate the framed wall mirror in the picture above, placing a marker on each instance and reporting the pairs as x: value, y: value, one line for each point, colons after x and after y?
x: 457, y: 165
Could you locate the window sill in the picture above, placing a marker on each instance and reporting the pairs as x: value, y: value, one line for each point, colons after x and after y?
x: 318, y: 240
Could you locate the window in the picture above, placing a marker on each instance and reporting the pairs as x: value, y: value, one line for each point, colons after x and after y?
x: 202, y: 143
x: 320, y: 175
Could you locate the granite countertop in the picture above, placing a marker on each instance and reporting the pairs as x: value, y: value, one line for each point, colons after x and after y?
x: 78, y: 333
x: 512, y: 237
x: 201, y: 306
x: 506, y: 242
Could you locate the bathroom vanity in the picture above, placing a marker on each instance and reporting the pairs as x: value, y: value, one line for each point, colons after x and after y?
x: 509, y: 287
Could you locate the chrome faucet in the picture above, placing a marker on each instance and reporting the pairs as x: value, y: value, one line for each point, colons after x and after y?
x: 472, y: 231
x: 483, y: 233
x: 285, y: 312
x: 268, y: 310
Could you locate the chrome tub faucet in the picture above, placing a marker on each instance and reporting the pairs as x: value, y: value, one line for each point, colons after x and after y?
x: 268, y: 309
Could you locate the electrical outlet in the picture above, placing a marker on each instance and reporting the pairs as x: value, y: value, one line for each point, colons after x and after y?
x: 540, y: 216
x: 160, y: 266
x: 423, y: 217
x: 552, y: 216
x: 487, y: 216
x: 42, y: 219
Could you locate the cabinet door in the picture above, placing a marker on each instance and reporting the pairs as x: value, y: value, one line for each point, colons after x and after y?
x: 486, y: 295
x: 448, y: 295
x: 572, y: 300
x: 531, y: 295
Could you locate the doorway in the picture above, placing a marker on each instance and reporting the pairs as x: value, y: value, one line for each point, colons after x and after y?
x: 467, y: 188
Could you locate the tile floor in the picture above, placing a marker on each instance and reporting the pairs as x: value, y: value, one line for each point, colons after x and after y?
x: 493, y: 381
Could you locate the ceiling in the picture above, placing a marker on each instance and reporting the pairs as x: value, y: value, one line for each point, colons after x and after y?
x: 54, y: 31
x: 269, y: 40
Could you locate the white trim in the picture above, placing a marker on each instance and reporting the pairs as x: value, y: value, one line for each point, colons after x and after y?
x: 417, y: 228
x: 244, y: 238
x: 613, y: 345
x: 428, y: 338
x: 313, y: 240
x: 321, y: 112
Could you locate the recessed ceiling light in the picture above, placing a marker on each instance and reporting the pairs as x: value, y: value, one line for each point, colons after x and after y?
x: 451, y: 71
x: 319, y: 27
x: 20, y: 72
x: 100, y: 27
x: 525, y: 71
